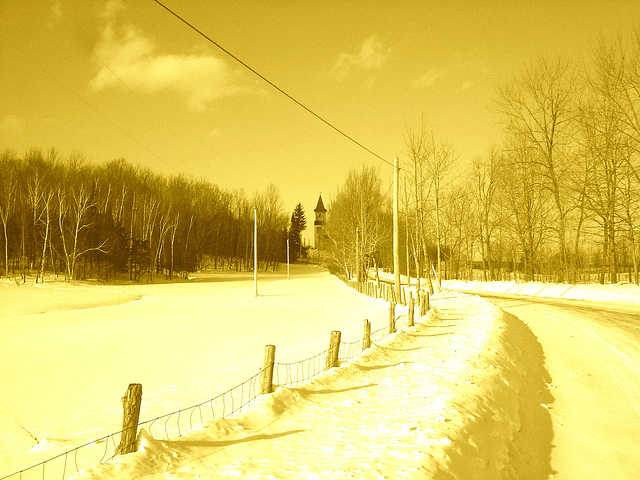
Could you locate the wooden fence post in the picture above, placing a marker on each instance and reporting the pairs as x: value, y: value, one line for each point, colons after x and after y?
x: 424, y: 303
x: 266, y: 380
x: 366, y: 338
x: 392, y: 317
x: 131, y: 403
x: 412, y: 306
x: 334, y: 349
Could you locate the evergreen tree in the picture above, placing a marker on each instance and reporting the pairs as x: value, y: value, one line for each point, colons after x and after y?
x: 298, y: 225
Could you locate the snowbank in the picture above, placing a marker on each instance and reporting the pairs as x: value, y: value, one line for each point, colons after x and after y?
x: 460, y: 395
x: 29, y: 299
x: 625, y: 293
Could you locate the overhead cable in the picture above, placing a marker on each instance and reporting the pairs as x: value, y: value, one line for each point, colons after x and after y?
x: 326, y: 122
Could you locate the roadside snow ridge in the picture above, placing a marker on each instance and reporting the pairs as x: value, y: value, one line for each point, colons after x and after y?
x: 457, y: 396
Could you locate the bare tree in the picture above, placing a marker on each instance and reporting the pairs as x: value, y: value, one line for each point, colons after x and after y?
x: 539, y: 106
x: 432, y: 163
x: 607, y: 137
x: 73, y: 221
x: 418, y: 149
x: 8, y: 190
x: 484, y: 178
x: 439, y: 166
x: 460, y: 223
x: 523, y: 183
x: 360, y: 206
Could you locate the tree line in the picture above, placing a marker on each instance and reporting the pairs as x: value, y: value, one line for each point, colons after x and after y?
x: 117, y: 221
x: 558, y: 199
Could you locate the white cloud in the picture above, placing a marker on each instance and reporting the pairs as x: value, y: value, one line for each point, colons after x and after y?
x: 56, y: 8
x: 368, y: 85
x: 133, y: 59
x: 466, y: 69
x: 111, y: 9
x: 215, y: 133
x: 371, y: 56
x: 429, y: 78
x: 466, y: 85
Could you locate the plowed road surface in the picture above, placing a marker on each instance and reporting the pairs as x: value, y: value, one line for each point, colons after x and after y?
x: 592, y: 352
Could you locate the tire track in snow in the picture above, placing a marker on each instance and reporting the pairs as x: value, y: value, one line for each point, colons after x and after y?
x: 594, y: 359
x: 628, y: 379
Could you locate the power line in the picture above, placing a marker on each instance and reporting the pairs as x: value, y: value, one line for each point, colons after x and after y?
x: 300, y: 104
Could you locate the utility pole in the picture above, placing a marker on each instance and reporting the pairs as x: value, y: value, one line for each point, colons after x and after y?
x: 396, y: 228
x: 255, y: 250
x: 357, y: 272
x: 288, y: 273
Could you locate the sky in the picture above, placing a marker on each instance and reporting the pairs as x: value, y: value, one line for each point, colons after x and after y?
x: 115, y: 79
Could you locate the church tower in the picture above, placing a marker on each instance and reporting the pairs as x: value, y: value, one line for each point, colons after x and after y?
x: 319, y: 223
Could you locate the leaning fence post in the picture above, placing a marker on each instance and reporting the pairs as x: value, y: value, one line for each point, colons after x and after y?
x: 334, y: 349
x: 412, y: 306
x: 267, y: 369
x: 131, y: 415
x: 392, y: 317
x: 366, y: 338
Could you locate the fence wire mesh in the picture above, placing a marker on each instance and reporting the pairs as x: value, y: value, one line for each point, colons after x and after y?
x: 178, y: 422
x: 70, y: 463
x: 175, y: 424
x: 295, y: 373
x: 170, y: 425
x: 349, y: 350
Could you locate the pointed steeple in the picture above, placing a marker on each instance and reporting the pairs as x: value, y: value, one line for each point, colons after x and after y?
x: 320, y: 206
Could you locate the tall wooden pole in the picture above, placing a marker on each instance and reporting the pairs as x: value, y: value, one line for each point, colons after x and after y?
x: 396, y: 227
x: 406, y: 229
x: 288, y: 271
x: 357, y: 272
x: 255, y: 250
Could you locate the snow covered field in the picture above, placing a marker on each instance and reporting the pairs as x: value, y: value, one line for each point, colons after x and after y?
x: 462, y: 393
x: 67, y: 353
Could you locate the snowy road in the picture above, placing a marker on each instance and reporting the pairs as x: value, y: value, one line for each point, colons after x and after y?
x: 592, y: 352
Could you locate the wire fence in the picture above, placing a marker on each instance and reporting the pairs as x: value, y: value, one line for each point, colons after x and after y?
x: 164, y: 427
x: 175, y: 424
x: 296, y: 373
